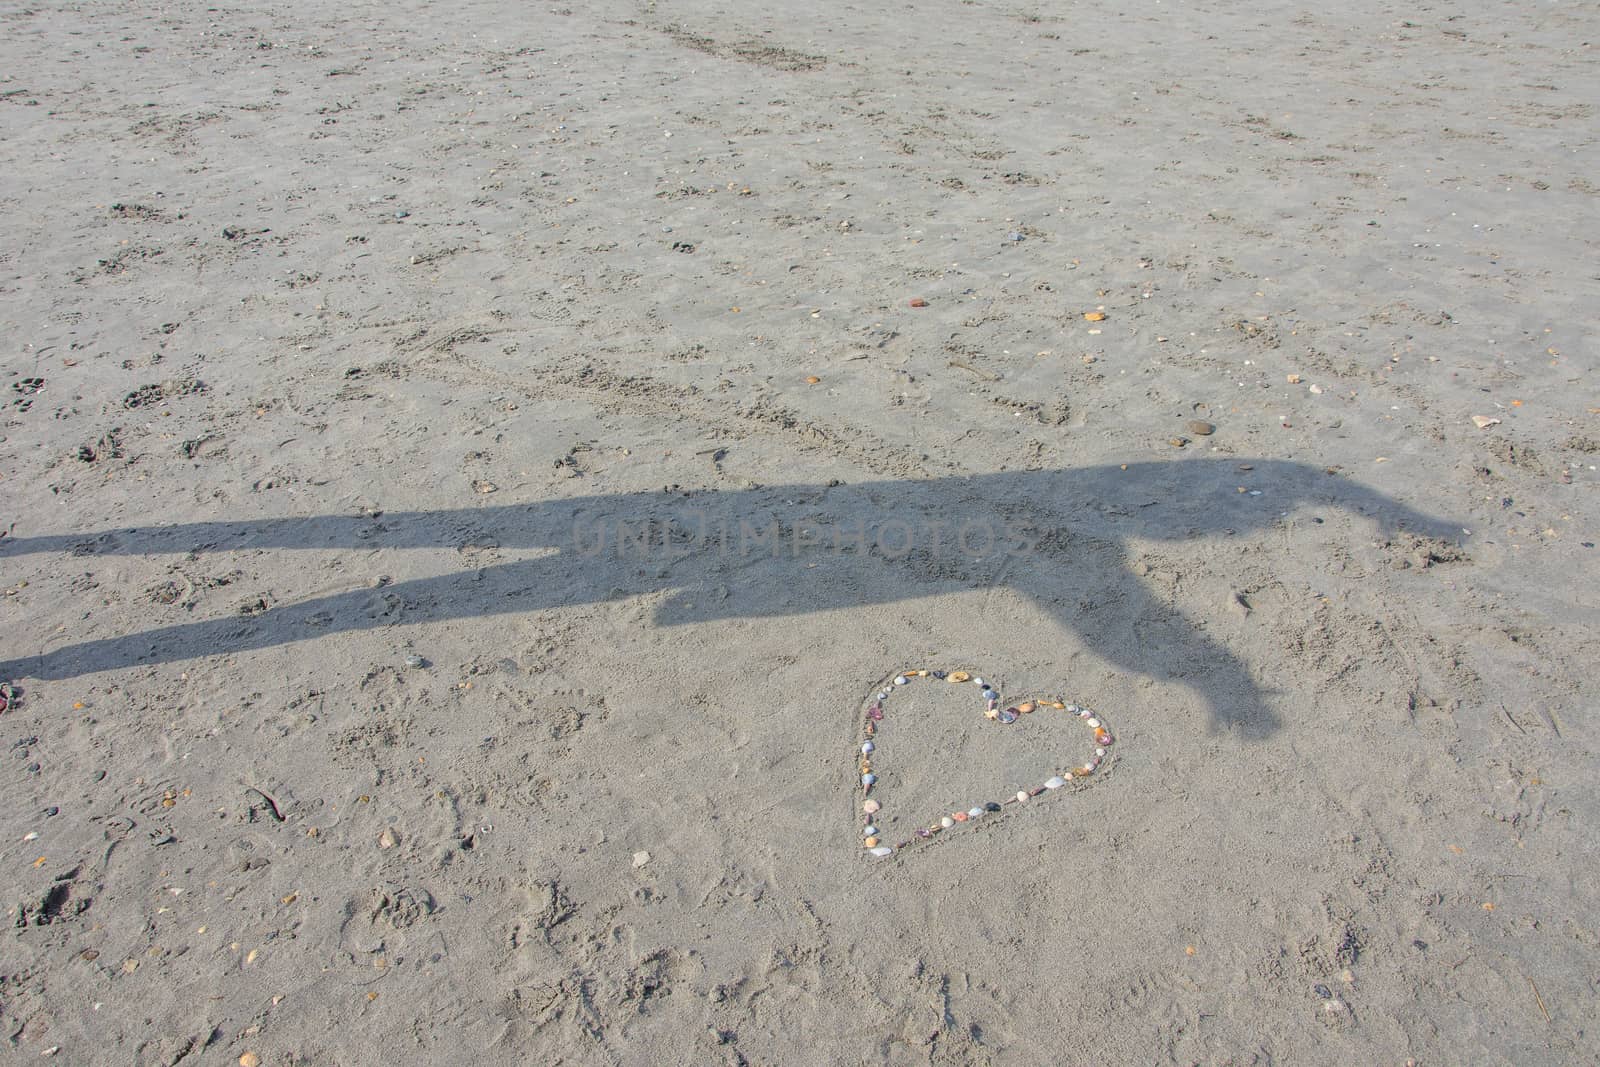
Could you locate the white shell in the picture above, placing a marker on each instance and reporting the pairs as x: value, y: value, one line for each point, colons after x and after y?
x: 868, y: 779
x: 881, y: 850
x: 1099, y: 752
x: 974, y: 812
x: 899, y: 679
x: 1022, y: 796
x: 871, y: 831
x: 978, y: 682
x: 1094, y: 723
x: 1084, y: 713
x: 947, y: 822
x: 1055, y: 783
x: 867, y: 748
x: 1073, y: 708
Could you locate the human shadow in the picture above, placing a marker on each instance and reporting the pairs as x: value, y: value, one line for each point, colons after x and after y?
x: 1057, y: 536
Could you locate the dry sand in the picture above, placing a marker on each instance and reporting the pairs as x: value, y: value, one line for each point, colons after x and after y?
x: 336, y: 332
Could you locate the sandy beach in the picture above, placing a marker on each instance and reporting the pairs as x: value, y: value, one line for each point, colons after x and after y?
x: 475, y: 476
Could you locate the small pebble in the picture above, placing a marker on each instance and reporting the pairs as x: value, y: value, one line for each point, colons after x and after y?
x: 918, y: 302
x: 640, y: 859
x: 414, y: 661
x: 249, y: 1059
x: 402, y: 214
x: 1201, y: 428
x: 388, y: 839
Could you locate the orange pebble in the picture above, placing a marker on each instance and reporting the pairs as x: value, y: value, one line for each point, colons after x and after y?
x: 871, y: 842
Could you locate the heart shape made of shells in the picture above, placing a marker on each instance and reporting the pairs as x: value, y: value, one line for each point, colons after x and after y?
x: 872, y: 807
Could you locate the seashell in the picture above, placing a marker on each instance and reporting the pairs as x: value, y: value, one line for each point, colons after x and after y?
x: 1022, y: 796
x: 1008, y: 716
x: 980, y: 683
x: 868, y: 779
x: 881, y: 851
x: 1058, y: 705
x: 992, y: 713
x: 871, y: 831
x: 1073, y: 708
x: 924, y: 833
x: 1087, y: 768
x: 867, y: 747
x: 871, y: 842
x: 1026, y: 708
x: 959, y: 676
x: 960, y: 816
x: 922, y: 674
x: 947, y: 822
x: 872, y: 728
x: 899, y: 679
x: 1055, y: 783
x: 1099, y: 752
x: 1094, y: 724
x: 875, y: 713
x: 973, y: 813
x: 872, y: 807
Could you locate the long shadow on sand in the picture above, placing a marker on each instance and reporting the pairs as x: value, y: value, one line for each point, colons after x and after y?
x: 1057, y: 536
